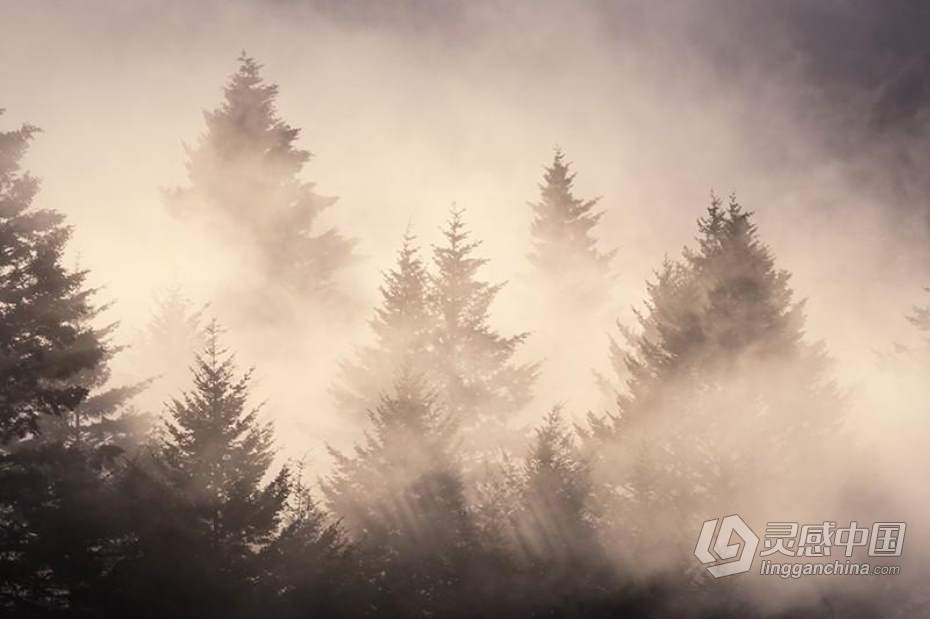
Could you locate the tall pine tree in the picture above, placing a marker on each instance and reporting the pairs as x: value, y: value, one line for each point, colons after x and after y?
x: 246, y: 169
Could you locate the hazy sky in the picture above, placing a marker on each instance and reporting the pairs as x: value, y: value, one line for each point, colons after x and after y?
x: 814, y: 113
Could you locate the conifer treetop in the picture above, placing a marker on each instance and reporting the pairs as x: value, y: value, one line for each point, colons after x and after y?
x: 212, y: 434
x: 563, y: 224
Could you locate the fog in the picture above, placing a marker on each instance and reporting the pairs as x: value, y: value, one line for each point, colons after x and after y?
x: 411, y: 107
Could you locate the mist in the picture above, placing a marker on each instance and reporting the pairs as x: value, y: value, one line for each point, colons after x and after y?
x: 814, y: 117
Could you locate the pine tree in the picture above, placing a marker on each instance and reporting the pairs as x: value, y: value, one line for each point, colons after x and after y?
x: 217, y: 452
x: 719, y: 368
x: 402, y: 326
x: 60, y: 527
x: 557, y: 525
x: 562, y: 227
x: 246, y: 170
x: 724, y: 305
x: 559, y: 521
x: 204, y: 515
x: 47, y: 341
x: 472, y: 364
x: 401, y: 495
x: 310, y: 567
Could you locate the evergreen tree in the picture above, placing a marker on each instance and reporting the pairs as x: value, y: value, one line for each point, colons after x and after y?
x: 472, y: 365
x: 60, y: 528
x: 557, y: 526
x: 720, y: 367
x: 47, y: 341
x: 401, y: 495
x: 217, y: 452
x: 402, y: 326
x: 246, y: 169
x: 562, y: 227
x: 206, y: 520
x: 559, y: 521
x: 724, y: 306
x: 310, y: 567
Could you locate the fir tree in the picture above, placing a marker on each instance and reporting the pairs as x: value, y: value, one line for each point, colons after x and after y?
x: 61, y: 530
x: 559, y: 520
x: 557, y: 525
x: 720, y: 366
x: 472, y: 364
x: 401, y: 495
x: 310, y: 567
x: 205, y: 518
x: 217, y: 452
x: 724, y: 305
x: 246, y: 169
x: 47, y: 341
x: 402, y: 326
x: 562, y: 227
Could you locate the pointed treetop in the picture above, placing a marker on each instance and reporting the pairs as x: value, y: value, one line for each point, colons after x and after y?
x: 563, y: 224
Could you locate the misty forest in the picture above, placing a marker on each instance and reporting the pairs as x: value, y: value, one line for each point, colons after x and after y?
x: 538, y: 339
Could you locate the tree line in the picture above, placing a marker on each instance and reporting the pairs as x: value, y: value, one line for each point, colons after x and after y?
x: 442, y: 509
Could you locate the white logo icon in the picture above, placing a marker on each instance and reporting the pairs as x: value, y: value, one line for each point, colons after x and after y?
x: 725, y: 551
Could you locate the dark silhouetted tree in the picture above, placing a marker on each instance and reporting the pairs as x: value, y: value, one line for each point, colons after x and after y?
x: 213, y: 529
x: 310, y: 567
x: 60, y: 528
x: 246, y: 169
x: 47, y: 341
x: 217, y: 452
x: 203, y: 510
